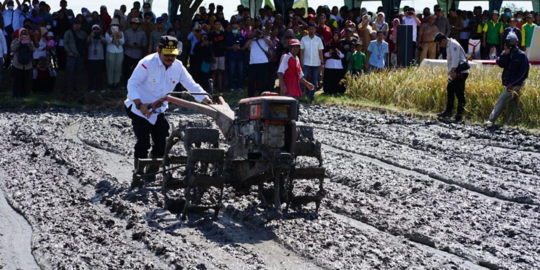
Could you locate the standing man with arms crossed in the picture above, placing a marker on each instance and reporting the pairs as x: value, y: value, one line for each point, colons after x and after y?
x: 156, y: 75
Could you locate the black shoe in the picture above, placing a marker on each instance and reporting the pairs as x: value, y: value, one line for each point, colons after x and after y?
x: 458, y: 118
x: 444, y: 114
x: 137, y: 182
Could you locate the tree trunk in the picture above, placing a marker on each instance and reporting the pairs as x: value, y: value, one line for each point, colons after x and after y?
x: 187, y: 10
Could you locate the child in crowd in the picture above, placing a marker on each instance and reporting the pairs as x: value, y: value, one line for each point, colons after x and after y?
x: 357, y: 60
x: 44, y: 76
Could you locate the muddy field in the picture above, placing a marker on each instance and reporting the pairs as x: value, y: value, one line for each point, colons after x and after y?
x: 402, y: 194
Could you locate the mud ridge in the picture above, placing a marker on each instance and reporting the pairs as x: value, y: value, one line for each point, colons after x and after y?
x: 439, y: 177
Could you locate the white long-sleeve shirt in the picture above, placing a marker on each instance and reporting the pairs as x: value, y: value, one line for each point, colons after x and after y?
x: 112, y: 48
x: 332, y: 63
x: 151, y: 81
x: 454, y: 54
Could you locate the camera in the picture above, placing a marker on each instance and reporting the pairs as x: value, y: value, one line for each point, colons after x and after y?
x: 410, y: 13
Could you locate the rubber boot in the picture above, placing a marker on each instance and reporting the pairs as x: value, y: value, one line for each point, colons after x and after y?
x: 151, y: 169
x: 137, y: 181
x: 459, y: 113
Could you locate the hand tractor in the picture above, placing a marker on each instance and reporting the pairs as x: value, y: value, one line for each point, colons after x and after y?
x: 264, y: 143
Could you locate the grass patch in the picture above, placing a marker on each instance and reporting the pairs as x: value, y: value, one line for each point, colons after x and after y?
x: 36, y: 101
x: 423, y: 91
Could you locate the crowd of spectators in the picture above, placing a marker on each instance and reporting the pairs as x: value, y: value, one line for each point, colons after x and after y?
x: 106, y: 47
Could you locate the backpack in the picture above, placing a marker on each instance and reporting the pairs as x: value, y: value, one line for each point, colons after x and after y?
x: 25, y: 55
x: 79, y: 44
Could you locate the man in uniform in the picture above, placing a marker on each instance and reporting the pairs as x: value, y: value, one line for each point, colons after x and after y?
x: 156, y: 75
x: 492, y: 33
x: 425, y: 39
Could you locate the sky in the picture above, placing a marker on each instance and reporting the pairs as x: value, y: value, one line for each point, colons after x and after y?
x: 160, y: 6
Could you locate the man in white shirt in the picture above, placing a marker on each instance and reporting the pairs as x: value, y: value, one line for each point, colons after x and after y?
x: 456, y: 77
x: 156, y: 75
x: 258, y: 62
x: 11, y: 24
x: 311, y: 57
x: 411, y: 19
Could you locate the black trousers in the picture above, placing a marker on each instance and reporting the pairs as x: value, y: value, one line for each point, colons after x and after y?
x: 95, y: 74
x: 258, y: 78
x: 331, y: 80
x: 272, y: 76
x: 456, y: 89
x: 465, y: 44
x: 143, y: 130
x: 9, y: 39
x: 61, y: 56
x: 21, y: 82
x: 128, y: 66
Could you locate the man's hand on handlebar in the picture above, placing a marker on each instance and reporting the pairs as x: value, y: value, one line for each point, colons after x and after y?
x: 207, y: 100
x: 144, y: 110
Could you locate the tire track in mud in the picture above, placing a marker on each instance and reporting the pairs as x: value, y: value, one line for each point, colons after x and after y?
x: 229, y: 236
x: 416, y: 242
x: 445, y: 218
x: 423, y: 145
x: 389, y: 164
x: 484, y: 181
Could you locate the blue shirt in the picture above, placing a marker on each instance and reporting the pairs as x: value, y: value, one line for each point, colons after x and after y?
x: 378, y: 53
x: 230, y: 41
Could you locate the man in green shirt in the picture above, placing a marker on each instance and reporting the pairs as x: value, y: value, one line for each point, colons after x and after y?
x: 493, y: 33
x: 526, y: 32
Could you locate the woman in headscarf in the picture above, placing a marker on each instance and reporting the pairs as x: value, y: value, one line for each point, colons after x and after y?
x: 333, y: 67
x: 364, y: 31
x: 105, y: 19
x: 36, y: 19
x: 22, y: 48
x: 392, y: 41
x: 247, y: 28
x: 380, y: 24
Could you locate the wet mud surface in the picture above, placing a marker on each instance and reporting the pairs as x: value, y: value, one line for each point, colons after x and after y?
x: 402, y: 193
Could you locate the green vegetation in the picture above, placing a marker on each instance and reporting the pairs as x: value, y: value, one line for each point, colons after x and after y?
x: 35, y: 101
x: 422, y: 91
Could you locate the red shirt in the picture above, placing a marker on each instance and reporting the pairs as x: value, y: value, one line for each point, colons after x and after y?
x: 292, y: 72
x: 325, y: 32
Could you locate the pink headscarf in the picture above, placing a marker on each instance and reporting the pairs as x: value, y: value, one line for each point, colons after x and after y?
x: 396, y: 22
